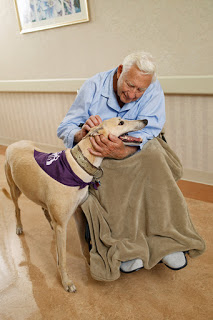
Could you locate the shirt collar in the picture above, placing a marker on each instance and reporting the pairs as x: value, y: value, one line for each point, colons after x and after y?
x: 108, y: 92
x: 107, y: 89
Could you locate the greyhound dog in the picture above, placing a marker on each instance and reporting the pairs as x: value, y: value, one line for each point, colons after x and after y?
x: 58, y: 200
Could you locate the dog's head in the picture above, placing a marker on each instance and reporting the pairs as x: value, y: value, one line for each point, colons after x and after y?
x: 119, y: 127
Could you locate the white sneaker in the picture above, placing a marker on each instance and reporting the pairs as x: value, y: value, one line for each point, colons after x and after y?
x: 175, y: 260
x: 131, y: 265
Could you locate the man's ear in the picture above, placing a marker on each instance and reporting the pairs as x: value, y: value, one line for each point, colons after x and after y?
x: 119, y: 71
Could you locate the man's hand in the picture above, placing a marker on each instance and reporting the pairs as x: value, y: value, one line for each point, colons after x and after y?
x: 112, y: 147
x: 90, y: 123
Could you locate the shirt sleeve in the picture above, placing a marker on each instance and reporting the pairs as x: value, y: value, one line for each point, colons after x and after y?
x: 153, y: 110
x: 78, y: 113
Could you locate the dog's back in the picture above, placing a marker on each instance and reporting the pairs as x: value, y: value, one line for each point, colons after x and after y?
x: 21, y: 169
x: 23, y: 172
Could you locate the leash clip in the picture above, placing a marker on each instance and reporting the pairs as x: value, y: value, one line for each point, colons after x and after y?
x: 101, y: 171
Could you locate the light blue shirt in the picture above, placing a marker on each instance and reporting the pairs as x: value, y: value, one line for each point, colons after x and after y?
x: 97, y: 97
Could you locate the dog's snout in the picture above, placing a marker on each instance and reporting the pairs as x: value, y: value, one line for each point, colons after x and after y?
x: 145, y: 122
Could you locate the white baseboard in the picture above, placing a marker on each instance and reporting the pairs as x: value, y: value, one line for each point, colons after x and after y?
x: 42, y: 146
x: 198, y: 176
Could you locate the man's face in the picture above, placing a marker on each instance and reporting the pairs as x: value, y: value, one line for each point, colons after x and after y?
x: 132, y: 84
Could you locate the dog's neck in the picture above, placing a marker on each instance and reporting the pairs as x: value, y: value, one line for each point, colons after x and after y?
x: 84, y: 145
x: 83, y: 162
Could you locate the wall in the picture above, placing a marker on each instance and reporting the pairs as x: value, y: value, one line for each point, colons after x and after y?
x: 189, y: 130
x: 178, y: 33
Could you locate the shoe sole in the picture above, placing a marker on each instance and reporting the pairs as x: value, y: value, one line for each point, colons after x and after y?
x: 131, y: 270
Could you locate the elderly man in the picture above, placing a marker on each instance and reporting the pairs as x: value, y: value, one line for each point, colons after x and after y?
x: 131, y: 92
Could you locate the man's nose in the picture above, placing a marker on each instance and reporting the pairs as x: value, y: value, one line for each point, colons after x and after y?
x: 132, y: 94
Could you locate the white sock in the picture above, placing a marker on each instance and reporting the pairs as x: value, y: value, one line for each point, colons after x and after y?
x: 131, y: 265
x: 175, y: 260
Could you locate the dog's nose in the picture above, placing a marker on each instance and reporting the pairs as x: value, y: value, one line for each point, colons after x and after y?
x: 145, y: 122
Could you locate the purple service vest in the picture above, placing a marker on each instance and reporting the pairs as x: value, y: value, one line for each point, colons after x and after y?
x: 58, y: 168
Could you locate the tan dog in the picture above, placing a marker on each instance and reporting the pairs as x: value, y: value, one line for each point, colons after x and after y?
x: 59, y: 201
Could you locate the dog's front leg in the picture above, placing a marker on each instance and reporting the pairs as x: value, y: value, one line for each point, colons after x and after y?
x: 61, y: 237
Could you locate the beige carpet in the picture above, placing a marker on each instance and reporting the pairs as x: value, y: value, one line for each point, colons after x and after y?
x: 30, y: 287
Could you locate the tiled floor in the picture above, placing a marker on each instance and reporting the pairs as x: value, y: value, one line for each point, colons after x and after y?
x: 196, y: 191
x: 2, y: 149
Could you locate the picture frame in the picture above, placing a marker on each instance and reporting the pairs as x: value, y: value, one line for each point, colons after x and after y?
x: 37, y: 15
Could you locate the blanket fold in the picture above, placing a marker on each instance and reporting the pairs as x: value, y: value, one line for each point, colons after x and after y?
x: 139, y: 212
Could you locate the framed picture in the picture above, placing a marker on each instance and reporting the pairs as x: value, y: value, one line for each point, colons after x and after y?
x: 36, y: 15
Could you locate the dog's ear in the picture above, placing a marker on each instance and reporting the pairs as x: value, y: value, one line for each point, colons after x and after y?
x: 96, y: 131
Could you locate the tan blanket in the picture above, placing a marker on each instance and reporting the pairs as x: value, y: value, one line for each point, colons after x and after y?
x: 139, y: 212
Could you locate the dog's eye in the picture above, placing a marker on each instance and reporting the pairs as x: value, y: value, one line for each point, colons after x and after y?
x: 121, y: 123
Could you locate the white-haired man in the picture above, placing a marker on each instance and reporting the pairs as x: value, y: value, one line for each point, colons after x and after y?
x: 131, y: 92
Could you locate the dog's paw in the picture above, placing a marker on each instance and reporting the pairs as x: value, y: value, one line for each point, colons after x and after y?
x: 69, y: 287
x: 72, y: 288
x: 19, y: 230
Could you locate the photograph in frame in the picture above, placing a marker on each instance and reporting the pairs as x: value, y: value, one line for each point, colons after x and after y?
x: 36, y: 15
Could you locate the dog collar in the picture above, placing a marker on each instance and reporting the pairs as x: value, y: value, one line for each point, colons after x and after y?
x: 85, y: 164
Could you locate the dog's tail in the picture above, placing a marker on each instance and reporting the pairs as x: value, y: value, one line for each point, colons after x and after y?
x: 6, y: 193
